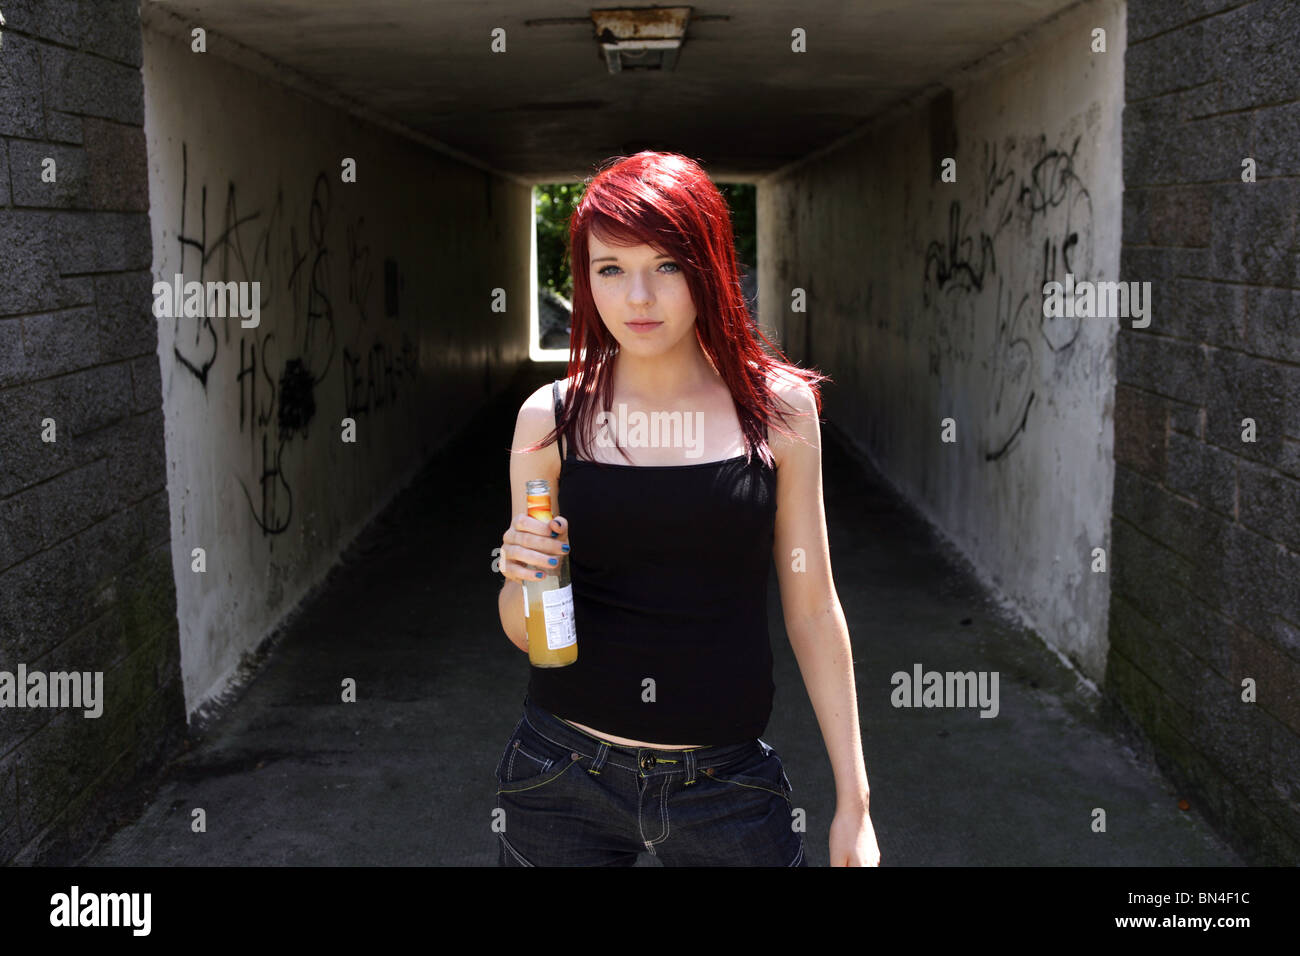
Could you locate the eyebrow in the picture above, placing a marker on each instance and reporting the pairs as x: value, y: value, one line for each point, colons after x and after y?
x: 615, y: 259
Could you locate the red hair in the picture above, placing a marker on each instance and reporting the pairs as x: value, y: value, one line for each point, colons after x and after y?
x: 666, y: 201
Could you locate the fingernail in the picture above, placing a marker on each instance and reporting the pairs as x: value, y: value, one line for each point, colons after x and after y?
x: 564, y: 547
x: 555, y: 534
x: 551, y: 560
x: 540, y: 574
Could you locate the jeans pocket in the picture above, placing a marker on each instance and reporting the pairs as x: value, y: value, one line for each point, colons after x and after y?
x: 530, y: 760
x: 762, y: 771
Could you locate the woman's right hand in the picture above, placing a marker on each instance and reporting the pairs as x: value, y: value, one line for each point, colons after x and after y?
x: 531, y: 548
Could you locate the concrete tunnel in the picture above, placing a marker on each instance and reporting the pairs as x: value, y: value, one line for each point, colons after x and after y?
x: 1103, y: 507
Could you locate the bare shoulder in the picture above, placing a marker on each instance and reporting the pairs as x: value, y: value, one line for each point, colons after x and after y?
x: 535, y: 420
x: 797, y: 408
x: 794, y: 393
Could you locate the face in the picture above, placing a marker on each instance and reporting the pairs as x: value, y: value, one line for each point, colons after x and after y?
x: 638, y: 282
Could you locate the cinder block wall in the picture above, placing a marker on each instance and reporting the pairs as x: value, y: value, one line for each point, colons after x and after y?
x: 1206, y: 560
x: 85, y: 551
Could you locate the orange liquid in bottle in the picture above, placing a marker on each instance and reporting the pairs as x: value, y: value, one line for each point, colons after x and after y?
x: 548, y: 601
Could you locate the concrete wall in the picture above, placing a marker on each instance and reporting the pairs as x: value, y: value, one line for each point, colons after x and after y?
x: 85, y: 569
x: 127, y: 441
x: 376, y: 304
x: 925, y: 303
x: 1206, y: 589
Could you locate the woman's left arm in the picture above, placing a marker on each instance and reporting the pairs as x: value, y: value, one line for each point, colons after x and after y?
x: 818, y: 633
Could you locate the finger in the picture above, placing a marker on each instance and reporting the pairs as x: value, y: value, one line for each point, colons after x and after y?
x: 520, y: 554
x: 520, y: 572
x: 536, y: 542
x: 530, y: 525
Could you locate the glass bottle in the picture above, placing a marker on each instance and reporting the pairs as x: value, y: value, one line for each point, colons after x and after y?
x: 548, y: 600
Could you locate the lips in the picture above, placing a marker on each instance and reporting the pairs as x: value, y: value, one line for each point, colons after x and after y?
x: 643, y: 324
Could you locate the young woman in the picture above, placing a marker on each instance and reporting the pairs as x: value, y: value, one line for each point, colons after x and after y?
x: 650, y: 740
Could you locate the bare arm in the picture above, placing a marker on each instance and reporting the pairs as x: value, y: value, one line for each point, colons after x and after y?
x: 510, y: 605
x: 818, y: 632
x: 527, y: 544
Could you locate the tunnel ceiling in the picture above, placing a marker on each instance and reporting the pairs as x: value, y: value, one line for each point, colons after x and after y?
x: 549, y: 107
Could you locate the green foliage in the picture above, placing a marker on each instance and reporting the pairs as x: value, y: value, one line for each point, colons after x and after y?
x: 555, y: 202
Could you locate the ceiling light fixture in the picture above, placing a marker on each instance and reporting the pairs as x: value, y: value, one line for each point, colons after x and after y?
x: 641, y: 38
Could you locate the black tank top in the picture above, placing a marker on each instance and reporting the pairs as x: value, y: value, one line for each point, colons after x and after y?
x: 669, y: 567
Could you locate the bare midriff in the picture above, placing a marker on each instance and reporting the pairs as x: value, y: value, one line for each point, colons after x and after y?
x: 627, y: 742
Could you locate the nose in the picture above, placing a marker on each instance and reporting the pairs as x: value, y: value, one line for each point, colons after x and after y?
x: 638, y: 292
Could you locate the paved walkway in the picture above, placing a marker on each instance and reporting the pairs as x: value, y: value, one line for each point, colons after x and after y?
x: 290, y: 775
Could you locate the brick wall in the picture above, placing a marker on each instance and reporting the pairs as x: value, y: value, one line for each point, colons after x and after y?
x: 85, y: 574
x: 1206, y: 532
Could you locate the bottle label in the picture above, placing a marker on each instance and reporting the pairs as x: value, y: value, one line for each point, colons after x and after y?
x: 557, y: 607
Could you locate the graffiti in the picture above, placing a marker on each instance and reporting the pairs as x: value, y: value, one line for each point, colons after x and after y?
x: 953, y: 268
x: 197, y: 364
x: 358, y: 270
x: 378, y: 387
x: 283, y: 364
x: 297, y: 402
x: 1051, y: 210
x: 267, y: 513
x: 1012, y: 371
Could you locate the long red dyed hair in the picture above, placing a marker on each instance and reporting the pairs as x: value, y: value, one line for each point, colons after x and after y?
x: 666, y: 201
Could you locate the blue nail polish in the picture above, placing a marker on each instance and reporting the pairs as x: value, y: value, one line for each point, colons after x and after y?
x: 555, y: 534
x: 540, y: 574
x: 552, y: 560
x: 564, y: 547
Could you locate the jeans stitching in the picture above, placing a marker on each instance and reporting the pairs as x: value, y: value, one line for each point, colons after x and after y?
x: 545, y: 762
x: 768, y: 754
x: 640, y: 824
x: 506, y: 843
x: 508, y: 756
x: 751, y: 786
x: 668, y: 823
x: 798, y: 856
x: 513, y: 852
x: 550, y: 779
x: 663, y: 811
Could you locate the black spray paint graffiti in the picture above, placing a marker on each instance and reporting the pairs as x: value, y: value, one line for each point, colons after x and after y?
x: 378, y: 387
x: 951, y: 264
x: 1048, y: 200
x: 297, y: 283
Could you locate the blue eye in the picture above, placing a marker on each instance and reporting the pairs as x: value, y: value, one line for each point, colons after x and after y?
x: 676, y: 269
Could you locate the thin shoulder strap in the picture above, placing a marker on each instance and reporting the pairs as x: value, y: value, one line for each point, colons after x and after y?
x: 559, y: 409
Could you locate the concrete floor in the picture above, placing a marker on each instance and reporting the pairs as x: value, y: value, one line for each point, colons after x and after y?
x: 290, y: 775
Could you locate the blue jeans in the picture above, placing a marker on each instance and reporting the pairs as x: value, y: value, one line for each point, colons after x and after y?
x: 566, y: 798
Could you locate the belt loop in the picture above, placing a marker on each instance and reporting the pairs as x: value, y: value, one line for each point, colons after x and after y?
x: 602, y: 752
x: 690, y: 768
